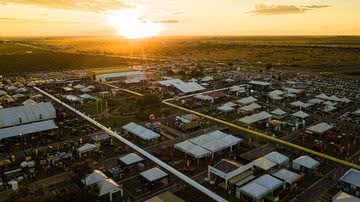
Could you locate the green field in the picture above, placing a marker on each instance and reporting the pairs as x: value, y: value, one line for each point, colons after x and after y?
x: 318, y: 54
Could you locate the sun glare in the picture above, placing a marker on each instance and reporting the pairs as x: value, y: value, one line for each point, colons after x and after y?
x: 128, y: 23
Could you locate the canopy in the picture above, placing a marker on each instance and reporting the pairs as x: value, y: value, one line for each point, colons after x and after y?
x: 192, y: 149
x: 277, y: 158
x: 261, y: 186
x: 141, y: 131
x: 300, y: 114
x: 278, y: 112
x: 263, y: 163
x: 108, y: 186
x: 86, y: 148
x: 27, y: 129
x: 320, y: 128
x: 250, y: 107
x: 131, y: 159
x: 307, y: 162
x: 352, y: 177
x: 26, y: 114
x: 153, y: 174
x: 345, y: 197
x: 94, y: 177
x: 286, y: 175
x: 255, y: 118
x: 247, y: 100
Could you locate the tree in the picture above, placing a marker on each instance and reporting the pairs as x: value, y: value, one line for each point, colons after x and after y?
x: 149, y: 100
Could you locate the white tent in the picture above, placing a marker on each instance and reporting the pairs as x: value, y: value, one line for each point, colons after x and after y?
x: 286, y: 175
x: 261, y: 186
x: 277, y: 158
x: 255, y: 118
x: 108, y: 186
x: 72, y: 98
x: 94, y: 177
x: 319, y: 128
x: 300, y: 104
x: 278, y: 112
x: 345, y: 197
x: 153, y: 174
x: 305, y: 161
x: 226, y: 108
x: 141, y: 131
x: 250, y: 107
x: 131, y: 159
x: 247, y: 100
x: 87, y: 97
x: 300, y: 114
x: 86, y: 148
x: 29, y: 102
x: 263, y: 163
x: 192, y: 149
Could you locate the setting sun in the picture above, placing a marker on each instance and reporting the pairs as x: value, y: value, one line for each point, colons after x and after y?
x: 128, y: 23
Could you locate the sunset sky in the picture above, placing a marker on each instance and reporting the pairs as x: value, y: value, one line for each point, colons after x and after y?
x: 141, y: 18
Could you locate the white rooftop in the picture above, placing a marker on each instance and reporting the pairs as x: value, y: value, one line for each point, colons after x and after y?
x: 27, y: 129
x: 131, y: 159
x: 153, y: 174
x: 94, y: 177
x: 300, y: 114
x: 345, y: 197
x: 263, y: 163
x: 261, y: 186
x: 255, y: 118
x: 278, y: 112
x: 352, y: 176
x: 277, y: 158
x: 247, y: 100
x: 307, y: 162
x: 319, y: 128
x: 286, y: 175
x: 140, y: 131
x: 26, y: 114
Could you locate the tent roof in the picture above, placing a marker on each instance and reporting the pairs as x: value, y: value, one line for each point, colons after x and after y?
x: 278, y: 112
x: 263, y: 163
x: 352, y: 176
x: 307, y: 162
x: 141, y: 131
x: 300, y: 104
x: 251, y: 107
x: 95, y: 177
x: 319, y: 128
x: 165, y: 197
x: 26, y: 114
x: 286, y: 175
x: 86, y: 148
x: 182, y: 86
x: 247, y: 100
x: 255, y: 117
x: 345, y: 197
x: 153, y: 174
x: 261, y: 186
x: 27, y: 129
x: 277, y: 158
x: 29, y: 102
x: 300, y: 114
x: 107, y: 186
x: 131, y: 159
x: 215, y: 141
x: 192, y: 149
x: 260, y: 83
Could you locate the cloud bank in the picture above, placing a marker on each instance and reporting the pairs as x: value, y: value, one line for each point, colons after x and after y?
x: 262, y: 9
x: 78, y: 5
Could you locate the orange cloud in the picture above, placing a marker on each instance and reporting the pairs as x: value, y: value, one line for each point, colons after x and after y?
x: 79, y: 5
x: 262, y: 9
